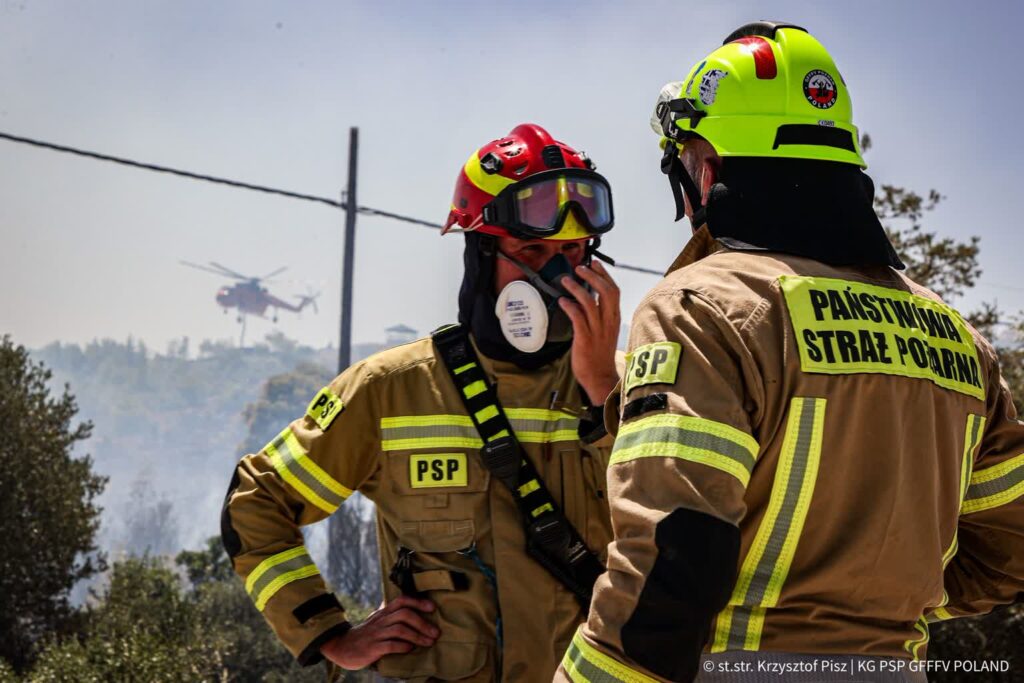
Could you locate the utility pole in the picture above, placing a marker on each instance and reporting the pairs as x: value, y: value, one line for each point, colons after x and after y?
x: 345, y: 343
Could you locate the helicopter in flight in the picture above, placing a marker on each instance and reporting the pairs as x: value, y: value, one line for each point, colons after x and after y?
x: 249, y: 296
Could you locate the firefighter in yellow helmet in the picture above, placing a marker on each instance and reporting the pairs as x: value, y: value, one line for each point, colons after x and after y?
x: 816, y: 456
x: 480, y: 447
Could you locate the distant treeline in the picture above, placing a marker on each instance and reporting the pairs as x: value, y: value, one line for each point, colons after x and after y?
x: 169, y: 426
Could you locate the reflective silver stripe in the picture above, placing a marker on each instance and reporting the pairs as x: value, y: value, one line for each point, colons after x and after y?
x: 275, y: 572
x: 583, y: 663
x: 428, y: 431
x: 291, y: 462
x: 585, y: 670
x: 991, y: 488
x: 403, y: 433
x: 566, y: 424
x: 776, y: 540
x: 691, y: 439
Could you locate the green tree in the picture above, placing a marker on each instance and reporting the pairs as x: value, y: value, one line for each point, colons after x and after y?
x: 149, y: 625
x: 283, y: 398
x: 209, y: 565
x: 48, y: 515
x: 247, y: 648
x: 943, y: 264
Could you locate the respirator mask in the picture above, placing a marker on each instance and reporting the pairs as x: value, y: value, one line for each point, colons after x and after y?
x: 528, y: 311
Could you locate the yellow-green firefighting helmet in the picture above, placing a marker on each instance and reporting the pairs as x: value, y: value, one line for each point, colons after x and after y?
x: 771, y: 90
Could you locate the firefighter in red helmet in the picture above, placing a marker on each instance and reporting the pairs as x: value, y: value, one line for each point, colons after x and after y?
x: 482, y: 446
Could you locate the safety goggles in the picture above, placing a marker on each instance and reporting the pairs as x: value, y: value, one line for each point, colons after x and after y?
x: 538, y: 205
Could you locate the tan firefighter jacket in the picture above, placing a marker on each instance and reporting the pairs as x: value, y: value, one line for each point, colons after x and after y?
x: 393, y: 427
x: 851, y: 425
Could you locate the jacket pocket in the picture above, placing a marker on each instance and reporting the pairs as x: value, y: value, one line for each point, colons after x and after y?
x: 465, y: 607
x: 435, y: 484
x: 584, y: 498
x: 599, y: 519
x: 445, y: 661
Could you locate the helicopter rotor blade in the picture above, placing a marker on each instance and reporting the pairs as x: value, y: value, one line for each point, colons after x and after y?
x: 228, y: 271
x: 309, y: 298
x: 270, y: 275
x: 205, y: 268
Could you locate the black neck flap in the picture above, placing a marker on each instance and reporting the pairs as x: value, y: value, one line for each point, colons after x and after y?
x: 476, y: 308
x: 816, y: 209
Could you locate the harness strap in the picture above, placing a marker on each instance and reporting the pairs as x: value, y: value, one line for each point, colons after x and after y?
x: 550, y: 539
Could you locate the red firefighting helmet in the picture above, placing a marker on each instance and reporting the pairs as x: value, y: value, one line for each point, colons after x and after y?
x: 529, y: 185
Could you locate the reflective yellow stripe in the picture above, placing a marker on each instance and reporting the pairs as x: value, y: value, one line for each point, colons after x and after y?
x: 972, y: 438
x: 491, y: 183
x: 282, y: 581
x: 546, y: 507
x: 529, y: 487
x: 425, y: 421
x: 531, y: 425
x: 767, y: 564
x: 276, y: 572
x: 939, y: 614
x: 914, y: 646
x: 548, y: 437
x: 436, y: 442
x: 542, y: 414
x: 486, y: 413
x: 461, y: 369
x: 514, y: 414
x: 583, y: 663
x: 428, y: 431
x: 477, y: 387
x: 500, y: 435
x: 995, y: 486
x: 695, y: 439
x: 295, y: 466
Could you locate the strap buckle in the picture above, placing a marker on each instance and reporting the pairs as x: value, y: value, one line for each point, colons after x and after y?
x: 670, y: 111
x: 502, y: 458
x: 401, y: 572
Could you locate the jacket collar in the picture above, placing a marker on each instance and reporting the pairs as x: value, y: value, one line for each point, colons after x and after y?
x: 700, y: 245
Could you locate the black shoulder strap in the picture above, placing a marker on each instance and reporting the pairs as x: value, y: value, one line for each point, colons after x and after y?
x: 551, y: 539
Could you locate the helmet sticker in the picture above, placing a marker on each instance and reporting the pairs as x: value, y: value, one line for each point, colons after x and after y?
x: 689, y: 83
x: 709, y: 85
x: 820, y: 89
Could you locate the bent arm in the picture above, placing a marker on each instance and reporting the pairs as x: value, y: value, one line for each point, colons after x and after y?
x: 303, y: 475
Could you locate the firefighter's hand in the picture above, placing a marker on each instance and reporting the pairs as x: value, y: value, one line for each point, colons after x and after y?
x: 396, y: 628
x: 595, y: 322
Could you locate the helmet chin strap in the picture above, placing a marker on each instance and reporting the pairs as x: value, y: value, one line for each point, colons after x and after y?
x: 679, y: 180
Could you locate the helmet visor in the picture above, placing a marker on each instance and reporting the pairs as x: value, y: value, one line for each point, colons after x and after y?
x: 537, y: 206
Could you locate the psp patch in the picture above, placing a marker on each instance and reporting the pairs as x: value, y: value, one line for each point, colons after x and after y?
x: 324, y: 407
x: 820, y: 89
x: 656, y: 363
x: 844, y: 327
x: 434, y: 470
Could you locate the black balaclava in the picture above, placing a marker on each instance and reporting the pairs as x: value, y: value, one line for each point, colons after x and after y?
x: 476, y: 308
x: 818, y: 209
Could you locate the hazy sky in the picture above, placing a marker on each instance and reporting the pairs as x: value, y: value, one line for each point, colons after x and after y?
x: 266, y: 91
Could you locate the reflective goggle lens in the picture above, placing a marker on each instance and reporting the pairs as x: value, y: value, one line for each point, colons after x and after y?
x: 540, y: 205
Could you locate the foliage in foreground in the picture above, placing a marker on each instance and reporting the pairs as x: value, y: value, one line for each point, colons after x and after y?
x: 151, y: 625
x: 48, y: 514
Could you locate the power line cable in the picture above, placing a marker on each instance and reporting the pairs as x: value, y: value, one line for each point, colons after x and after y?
x: 173, y: 171
x: 365, y: 210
